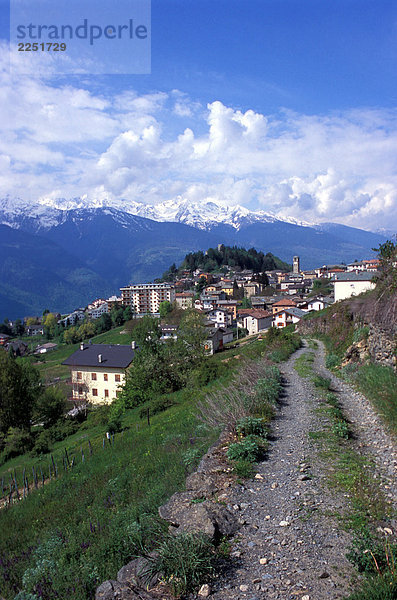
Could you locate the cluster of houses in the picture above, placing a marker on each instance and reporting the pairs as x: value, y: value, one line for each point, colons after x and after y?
x: 97, y: 370
x: 232, y: 304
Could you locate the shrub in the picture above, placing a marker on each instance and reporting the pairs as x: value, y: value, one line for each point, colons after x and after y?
x: 341, y: 429
x: 207, y: 372
x: 98, y: 415
x: 16, y: 442
x: 184, y: 561
x: 157, y: 405
x: 377, y: 588
x: 62, y: 430
x: 253, y: 392
x: 369, y: 555
x: 247, y: 449
x: 360, y: 334
x: 251, y: 426
x: 332, y: 361
x: 243, y: 469
x: 191, y: 457
x: 43, y: 443
x: 322, y: 382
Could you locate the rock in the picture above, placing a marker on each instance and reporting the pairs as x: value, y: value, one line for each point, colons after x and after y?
x: 201, y: 484
x: 304, y: 477
x: 208, y: 517
x: 114, y: 590
x: 244, y: 588
x: 134, y: 573
x: 324, y: 575
x: 263, y: 561
x: 258, y: 476
x: 306, y: 597
x: 284, y: 523
x: 204, y: 591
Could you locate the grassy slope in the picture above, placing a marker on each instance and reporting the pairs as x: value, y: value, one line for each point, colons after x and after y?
x: 93, y: 503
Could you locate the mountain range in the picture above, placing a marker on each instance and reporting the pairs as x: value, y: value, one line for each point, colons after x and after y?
x: 62, y: 254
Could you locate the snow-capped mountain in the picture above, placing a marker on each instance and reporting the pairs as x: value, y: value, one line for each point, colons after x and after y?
x: 62, y: 254
x: 47, y: 212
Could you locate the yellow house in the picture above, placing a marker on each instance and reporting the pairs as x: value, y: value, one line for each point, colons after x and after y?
x: 98, y: 370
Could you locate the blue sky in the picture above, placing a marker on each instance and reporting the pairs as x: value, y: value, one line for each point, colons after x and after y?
x: 284, y: 105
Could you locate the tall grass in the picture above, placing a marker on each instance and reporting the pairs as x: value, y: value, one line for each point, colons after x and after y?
x: 379, y: 384
x: 78, y: 530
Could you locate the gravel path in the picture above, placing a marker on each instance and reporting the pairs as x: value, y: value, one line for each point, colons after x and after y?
x: 289, y: 546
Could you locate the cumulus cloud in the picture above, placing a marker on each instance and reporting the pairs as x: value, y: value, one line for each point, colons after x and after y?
x: 69, y: 141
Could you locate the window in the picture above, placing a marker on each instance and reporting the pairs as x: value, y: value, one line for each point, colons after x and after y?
x: 117, y: 377
x: 95, y: 392
x: 93, y: 376
x: 80, y: 390
x: 79, y: 375
x: 106, y: 393
x: 105, y: 377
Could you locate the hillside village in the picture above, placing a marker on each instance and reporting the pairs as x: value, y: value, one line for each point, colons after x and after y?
x: 234, y: 302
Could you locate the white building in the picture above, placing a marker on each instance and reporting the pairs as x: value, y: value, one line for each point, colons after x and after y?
x: 98, y: 370
x: 145, y: 298
x: 347, y: 285
x: 99, y: 310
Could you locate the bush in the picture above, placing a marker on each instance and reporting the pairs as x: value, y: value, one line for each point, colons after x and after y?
x: 268, y: 389
x: 207, y: 372
x: 98, y: 415
x: 377, y: 588
x: 16, y: 442
x: 341, y: 429
x: 247, y: 449
x: 43, y: 443
x: 369, y: 555
x: 185, y: 561
x: 322, y: 382
x: 251, y: 426
x: 157, y: 405
x: 243, y: 469
x: 253, y: 392
x: 332, y: 361
x: 62, y: 430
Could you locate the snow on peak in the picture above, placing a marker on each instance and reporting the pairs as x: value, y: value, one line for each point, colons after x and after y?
x: 48, y: 212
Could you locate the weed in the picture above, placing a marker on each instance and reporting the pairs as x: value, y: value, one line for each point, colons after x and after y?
x: 251, y: 426
x: 249, y: 449
x: 185, y: 561
x: 332, y: 361
x: 341, y: 429
x: 303, y: 364
x: 322, y: 382
x: 244, y: 469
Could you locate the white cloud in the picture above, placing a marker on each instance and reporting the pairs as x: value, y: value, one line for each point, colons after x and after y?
x: 70, y: 141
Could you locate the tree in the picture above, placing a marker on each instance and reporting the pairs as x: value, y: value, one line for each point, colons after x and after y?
x: 191, y: 337
x: 19, y: 327
x: 71, y: 336
x: 202, y: 282
x: 161, y: 367
x: 85, y: 331
x: 104, y: 323
x: 165, y: 308
x: 20, y: 387
x: 50, y: 323
x: 117, y: 316
x: 246, y: 303
x: 127, y: 314
x: 50, y: 406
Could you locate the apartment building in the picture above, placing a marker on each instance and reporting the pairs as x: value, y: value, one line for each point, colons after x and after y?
x: 145, y: 298
x: 98, y: 370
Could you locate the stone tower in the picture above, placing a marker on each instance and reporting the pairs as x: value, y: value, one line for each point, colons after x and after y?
x: 296, y: 265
